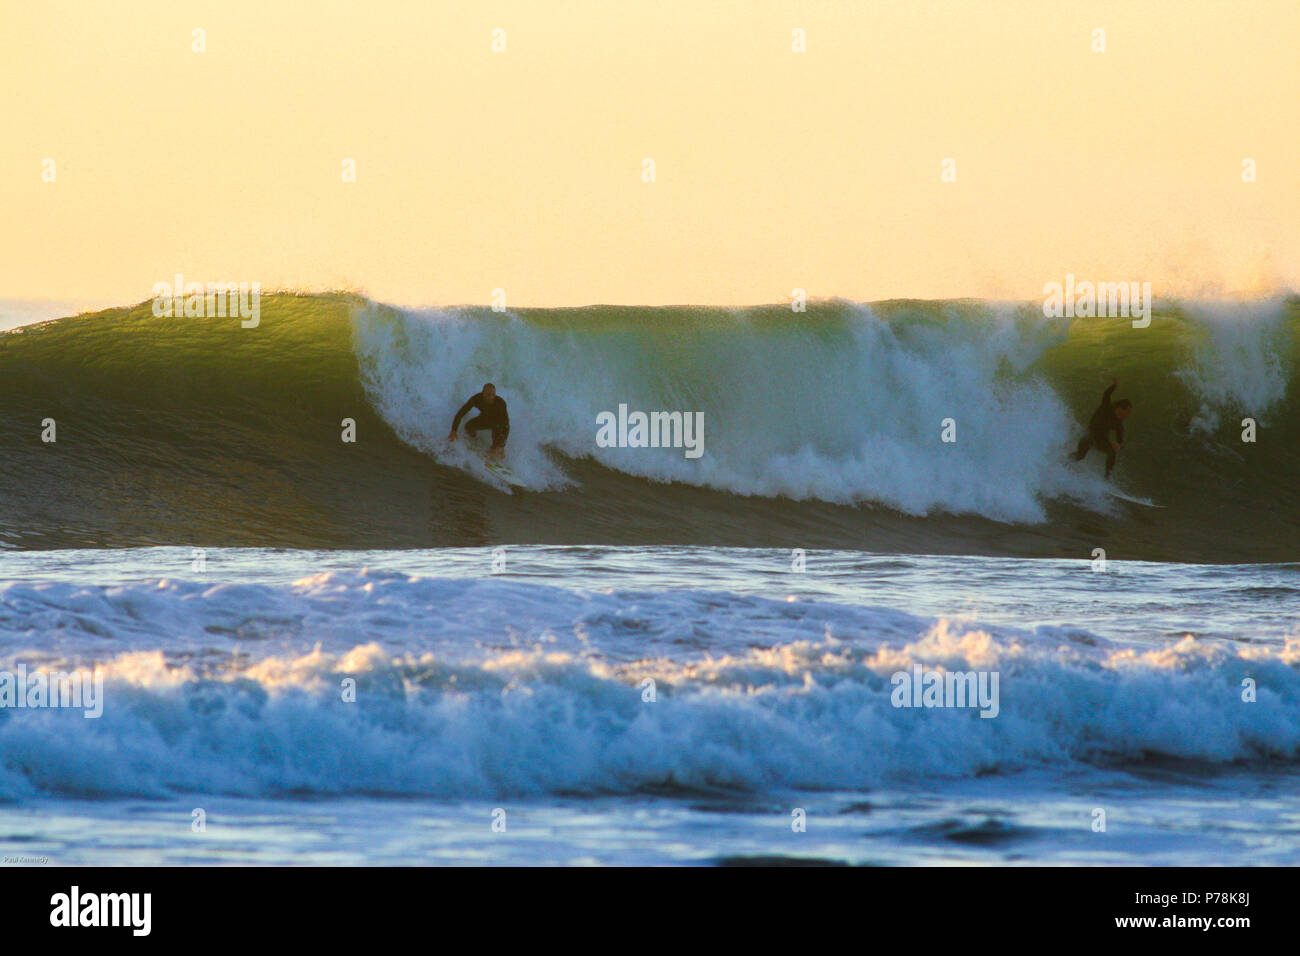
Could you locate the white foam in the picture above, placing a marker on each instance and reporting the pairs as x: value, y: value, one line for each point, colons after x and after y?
x: 456, y: 697
x: 1239, y: 367
x: 848, y: 410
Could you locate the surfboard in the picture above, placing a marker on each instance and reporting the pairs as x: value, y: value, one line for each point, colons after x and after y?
x: 502, y: 471
x: 471, y: 457
x: 1133, y: 500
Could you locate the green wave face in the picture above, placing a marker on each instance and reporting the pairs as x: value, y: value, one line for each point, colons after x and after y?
x: 822, y: 428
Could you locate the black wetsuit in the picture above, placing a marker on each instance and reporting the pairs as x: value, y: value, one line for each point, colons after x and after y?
x: 492, y: 416
x: 1103, y: 422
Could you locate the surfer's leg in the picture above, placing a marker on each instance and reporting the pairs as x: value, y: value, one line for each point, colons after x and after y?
x: 1110, y: 460
x: 499, y: 436
x: 1082, y: 451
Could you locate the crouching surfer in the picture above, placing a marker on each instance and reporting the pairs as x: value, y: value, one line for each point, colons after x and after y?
x: 491, y: 415
x: 1106, y: 419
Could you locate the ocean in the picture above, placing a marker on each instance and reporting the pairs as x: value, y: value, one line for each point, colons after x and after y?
x: 323, y: 651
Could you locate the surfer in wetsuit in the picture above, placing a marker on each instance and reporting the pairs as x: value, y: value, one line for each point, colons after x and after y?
x: 492, y: 414
x: 1107, y: 418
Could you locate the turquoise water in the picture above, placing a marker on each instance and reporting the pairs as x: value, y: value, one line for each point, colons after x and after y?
x: 523, y: 691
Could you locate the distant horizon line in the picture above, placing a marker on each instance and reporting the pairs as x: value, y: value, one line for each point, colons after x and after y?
x: 92, y: 304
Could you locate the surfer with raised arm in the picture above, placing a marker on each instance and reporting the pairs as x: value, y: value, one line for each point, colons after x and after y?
x: 1107, y: 418
x: 492, y: 415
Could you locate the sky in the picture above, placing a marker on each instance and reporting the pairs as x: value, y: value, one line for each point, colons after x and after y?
x: 523, y: 169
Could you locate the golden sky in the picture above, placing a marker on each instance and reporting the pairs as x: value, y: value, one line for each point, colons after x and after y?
x: 523, y: 169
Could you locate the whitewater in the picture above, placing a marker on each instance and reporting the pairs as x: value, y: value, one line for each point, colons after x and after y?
x: 525, y: 689
x: 352, y: 653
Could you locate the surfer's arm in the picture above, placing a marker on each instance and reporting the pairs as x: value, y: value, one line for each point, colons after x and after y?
x: 464, y: 410
x: 1105, y: 396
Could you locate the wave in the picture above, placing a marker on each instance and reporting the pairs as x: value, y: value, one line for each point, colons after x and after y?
x: 821, y: 429
x: 839, y: 406
x: 806, y: 704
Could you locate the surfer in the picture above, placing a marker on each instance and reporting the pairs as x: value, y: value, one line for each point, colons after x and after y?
x: 492, y: 414
x: 1107, y: 418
